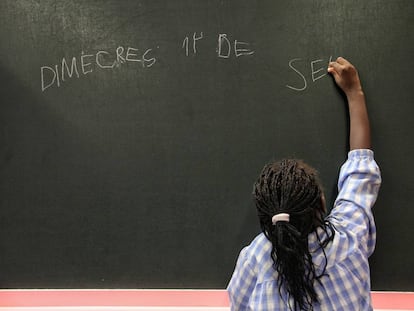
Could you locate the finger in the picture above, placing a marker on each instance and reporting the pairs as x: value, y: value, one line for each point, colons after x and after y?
x: 334, y: 73
x: 336, y: 66
x: 342, y: 61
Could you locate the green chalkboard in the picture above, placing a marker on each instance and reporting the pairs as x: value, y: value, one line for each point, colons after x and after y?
x: 132, y: 132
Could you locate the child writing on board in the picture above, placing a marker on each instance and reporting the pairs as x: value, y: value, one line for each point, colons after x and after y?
x: 303, y: 260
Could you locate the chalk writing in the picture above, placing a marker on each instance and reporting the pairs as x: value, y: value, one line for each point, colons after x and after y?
x: 225, y: 47
x: 55, y: 75
x: 194, y: 41
x: 317, y: 70
x: 87, y: 63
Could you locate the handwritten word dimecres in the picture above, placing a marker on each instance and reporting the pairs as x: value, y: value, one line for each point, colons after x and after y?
x: 87, y: 63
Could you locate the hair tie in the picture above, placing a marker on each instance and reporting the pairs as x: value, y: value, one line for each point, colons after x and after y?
x: 280, y: 217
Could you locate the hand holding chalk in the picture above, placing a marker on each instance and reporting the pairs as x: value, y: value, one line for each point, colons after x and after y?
x: 345, y: 75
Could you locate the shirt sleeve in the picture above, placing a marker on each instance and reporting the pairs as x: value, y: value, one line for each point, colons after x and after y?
x: 358, y: 186
x: 242, y: 284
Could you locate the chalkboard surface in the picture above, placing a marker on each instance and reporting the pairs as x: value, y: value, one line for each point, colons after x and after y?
x: 132, y: 132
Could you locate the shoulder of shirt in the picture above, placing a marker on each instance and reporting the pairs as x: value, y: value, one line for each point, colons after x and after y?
x: 257, y: 257
x: 259, y: 240
x: 259, y: 246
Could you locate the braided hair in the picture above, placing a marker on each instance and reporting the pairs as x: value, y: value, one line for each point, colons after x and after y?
x: 291, y: 186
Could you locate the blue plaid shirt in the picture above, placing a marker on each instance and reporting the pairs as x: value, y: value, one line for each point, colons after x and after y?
x: 346, y: 286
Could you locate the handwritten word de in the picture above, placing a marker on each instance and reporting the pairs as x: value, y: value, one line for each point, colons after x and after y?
x: 224, y: 47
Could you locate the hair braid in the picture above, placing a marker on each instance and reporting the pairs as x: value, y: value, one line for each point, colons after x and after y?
x: 291, y: 186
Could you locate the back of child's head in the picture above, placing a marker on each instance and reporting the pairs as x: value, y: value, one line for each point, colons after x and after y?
x: 290, y: 205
